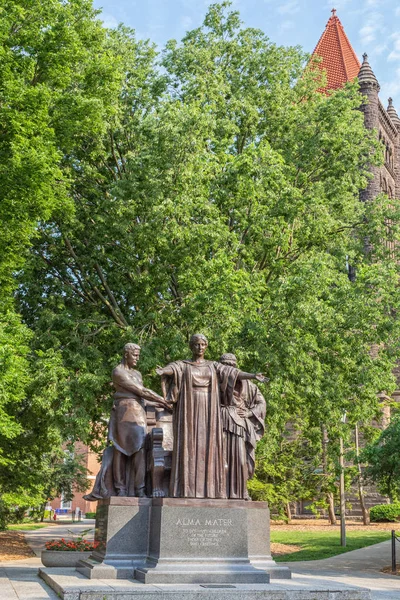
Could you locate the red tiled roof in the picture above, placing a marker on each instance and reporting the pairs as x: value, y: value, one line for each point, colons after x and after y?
x: 338, y: 57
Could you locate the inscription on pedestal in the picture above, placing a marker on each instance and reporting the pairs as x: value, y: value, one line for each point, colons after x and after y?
x: 204, y: 533
x: 199, y: 532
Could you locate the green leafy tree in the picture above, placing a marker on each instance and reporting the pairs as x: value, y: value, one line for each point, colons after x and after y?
x: 383, y: 460
x: 222, y: 196
x: 59, y: 78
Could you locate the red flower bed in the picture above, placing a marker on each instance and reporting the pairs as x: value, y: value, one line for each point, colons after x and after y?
x: 80, y: 545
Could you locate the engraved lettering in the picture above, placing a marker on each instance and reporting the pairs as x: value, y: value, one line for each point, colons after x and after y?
x: 188, y: 522
x: 218, y: 522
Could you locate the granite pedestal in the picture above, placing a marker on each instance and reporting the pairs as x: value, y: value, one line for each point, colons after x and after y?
x: 258, y: 535
x: 122, y: 531
x: 195, y: 540
x: 182, y: 540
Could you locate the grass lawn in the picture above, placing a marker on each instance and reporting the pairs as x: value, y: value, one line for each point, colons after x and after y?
x: 27, y: 526
x: 314, y: 545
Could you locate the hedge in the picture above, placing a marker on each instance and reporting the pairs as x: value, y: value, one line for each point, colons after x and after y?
x: 385, y: 512
x: 90, y: 515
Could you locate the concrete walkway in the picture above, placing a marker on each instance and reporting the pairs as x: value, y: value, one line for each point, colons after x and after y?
x: 19, y: 579
x: 359, y: 568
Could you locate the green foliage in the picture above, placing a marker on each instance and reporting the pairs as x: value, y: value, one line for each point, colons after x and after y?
x: 385, y: 512
x: 314, y: 545
x: 383, y: 459
x: 219, y: 193
x: 67, y: 475
x: 287, y: 468
x: 227, y: 203
x: 90, y: 515
x: 58, y: 77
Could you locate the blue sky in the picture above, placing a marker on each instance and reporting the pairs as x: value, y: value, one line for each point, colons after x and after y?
x: 373, y: 26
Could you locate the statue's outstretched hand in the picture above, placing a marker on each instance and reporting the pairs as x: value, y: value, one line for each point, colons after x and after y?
x: 261, y: 378
x: 160, y: 371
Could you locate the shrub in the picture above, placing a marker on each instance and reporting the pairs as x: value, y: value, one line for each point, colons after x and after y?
x: 385, y: 512
x: 90, y: 515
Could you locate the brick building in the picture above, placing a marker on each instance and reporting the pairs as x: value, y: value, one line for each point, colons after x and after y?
x: 342, y: 65
x: 90, y: 460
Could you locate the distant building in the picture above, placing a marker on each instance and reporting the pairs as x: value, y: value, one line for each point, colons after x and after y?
x: 342, y: 65
x: 90, y: 461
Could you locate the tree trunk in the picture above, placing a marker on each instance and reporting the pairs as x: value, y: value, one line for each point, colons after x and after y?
x: 42, y: 511
x: 329, y: 495
x: 331, y: 508
x: 288, y: 512
x: 361, y: 495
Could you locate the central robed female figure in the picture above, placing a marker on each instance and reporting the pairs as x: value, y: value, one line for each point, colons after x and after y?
x: 197, y: 388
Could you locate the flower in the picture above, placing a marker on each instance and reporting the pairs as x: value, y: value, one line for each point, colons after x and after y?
x: 79, y: 545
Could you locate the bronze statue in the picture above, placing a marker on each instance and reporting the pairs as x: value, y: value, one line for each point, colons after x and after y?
x: 197, y: 387
x: 243, y: 425
x: 128, y: 426
x: 123, y: 467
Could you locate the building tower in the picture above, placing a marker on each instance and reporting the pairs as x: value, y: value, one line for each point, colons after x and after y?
x: 369, y: 88
x: 341, y: 64
x: 339, y: 60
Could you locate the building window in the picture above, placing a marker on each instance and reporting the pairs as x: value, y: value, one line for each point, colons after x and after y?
x: 64, y: 504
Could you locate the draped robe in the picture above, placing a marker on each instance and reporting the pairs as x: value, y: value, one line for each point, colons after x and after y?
x: 196, y: 390
x: 241, y: 435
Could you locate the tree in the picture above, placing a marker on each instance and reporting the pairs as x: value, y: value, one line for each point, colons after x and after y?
x: 222, y: 196
x: 58, y: 80
x: 383, y: 460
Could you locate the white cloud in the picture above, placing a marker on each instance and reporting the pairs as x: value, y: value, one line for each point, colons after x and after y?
x: 109, y: 21
x: 372, y: 27
x: 378, y: 49
x: 391, y: 89
x: 286, y: 25
x: 395, y: 53
x: 186, y: 22
x: 338, y: 4
x: 290, y: 7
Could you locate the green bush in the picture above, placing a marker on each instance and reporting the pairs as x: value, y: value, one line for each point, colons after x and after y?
x: 385, y: 512
x: 90, y: 515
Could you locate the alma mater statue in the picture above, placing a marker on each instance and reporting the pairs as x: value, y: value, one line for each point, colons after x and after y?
x: 128, y: 426
x: 243, y: 425
x: 197, y: 388
x: 123, y: 467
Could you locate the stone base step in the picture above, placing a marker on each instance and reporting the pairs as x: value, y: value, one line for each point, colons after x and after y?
x: 71, y: 585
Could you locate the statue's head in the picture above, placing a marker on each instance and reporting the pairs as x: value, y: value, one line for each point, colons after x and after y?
x: 131, y: 355
x: 198, y: 344
x: 228, y: 359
